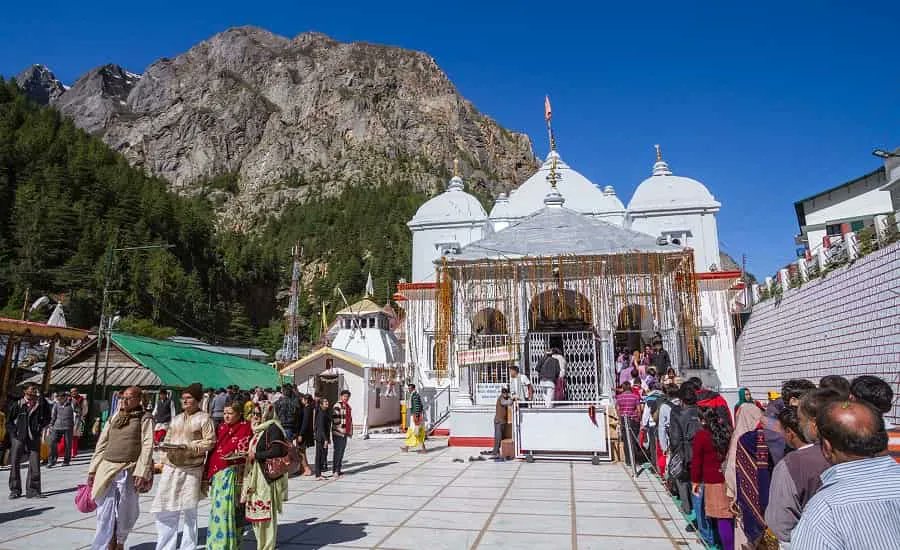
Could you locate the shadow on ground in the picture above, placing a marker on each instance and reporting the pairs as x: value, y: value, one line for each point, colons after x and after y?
x: 368, y: 468
x: 23, y: 513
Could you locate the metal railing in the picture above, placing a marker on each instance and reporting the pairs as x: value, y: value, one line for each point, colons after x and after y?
x: 439, y: 408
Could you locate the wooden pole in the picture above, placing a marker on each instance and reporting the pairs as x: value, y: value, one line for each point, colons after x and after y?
x: 7, y: 365
x: 48, y: 368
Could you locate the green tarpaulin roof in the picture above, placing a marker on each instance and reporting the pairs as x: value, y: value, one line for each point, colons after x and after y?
x: 179, y: 365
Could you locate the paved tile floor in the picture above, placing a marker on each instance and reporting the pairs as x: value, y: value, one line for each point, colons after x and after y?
x: 394, y: 500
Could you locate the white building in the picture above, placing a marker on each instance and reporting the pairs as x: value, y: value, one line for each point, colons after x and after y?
x: 848, y: 207
x: 364, y: 358
x: 576, y: 225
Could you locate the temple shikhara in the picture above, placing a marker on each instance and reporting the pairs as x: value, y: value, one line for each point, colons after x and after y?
x: 562, y: 263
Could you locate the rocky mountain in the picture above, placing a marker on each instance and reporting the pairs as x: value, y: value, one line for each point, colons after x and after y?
x: 40, y: 84
x: 276, y: 119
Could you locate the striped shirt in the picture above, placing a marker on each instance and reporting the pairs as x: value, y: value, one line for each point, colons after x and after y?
x: 857, y: 508
x: 628, y: 404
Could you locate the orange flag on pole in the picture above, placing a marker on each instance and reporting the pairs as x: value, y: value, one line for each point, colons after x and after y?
x: 548, y: 113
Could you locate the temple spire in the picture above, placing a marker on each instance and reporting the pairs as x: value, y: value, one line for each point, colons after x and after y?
x: 660, y: 167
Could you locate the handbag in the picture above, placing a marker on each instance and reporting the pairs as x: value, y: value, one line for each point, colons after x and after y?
x: 83, y: 501
x: 278, y: 466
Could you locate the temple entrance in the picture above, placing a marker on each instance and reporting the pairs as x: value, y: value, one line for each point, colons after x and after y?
x: 634, y: 329
x: 559, y: 310
x: 562, y: 319
x: 328, y: 385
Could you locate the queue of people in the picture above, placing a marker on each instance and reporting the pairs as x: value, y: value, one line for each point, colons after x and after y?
x: 808, y: 470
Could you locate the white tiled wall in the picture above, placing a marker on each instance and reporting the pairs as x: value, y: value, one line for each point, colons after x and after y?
x: 847, y: 323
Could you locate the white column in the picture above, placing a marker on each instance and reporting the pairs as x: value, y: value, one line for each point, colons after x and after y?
x: 769, y: 283
x: 852, y: 245
x: 801, y: 268
x: 367, y: 370
x: 881, y: 227
x: 755, y: 293
x: 822, y: 259
x: 784, y: 277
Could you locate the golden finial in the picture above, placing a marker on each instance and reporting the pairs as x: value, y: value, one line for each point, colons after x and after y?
x: 658, y: 153
x: 455, y: 168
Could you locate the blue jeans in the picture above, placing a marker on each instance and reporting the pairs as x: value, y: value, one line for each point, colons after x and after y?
x: 705, y: 527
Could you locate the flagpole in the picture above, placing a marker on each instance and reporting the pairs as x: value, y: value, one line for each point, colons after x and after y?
x: 553, y: 177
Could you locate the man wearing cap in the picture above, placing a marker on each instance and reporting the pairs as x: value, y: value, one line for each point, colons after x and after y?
x: 500, y: 418
x: 190, y: 436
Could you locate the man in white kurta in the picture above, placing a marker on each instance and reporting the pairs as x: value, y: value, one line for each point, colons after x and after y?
x: 121, y: 466
x: 179, y: 485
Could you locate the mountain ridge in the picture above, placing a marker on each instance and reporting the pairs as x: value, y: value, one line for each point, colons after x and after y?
x: 275, y: 114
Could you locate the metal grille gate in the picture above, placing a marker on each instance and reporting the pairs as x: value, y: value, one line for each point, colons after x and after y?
x: 583, y: 381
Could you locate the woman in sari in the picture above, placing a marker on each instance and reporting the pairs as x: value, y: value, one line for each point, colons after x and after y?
x: 263, y: 497
x: 747, y: 418
x: 223, y: 473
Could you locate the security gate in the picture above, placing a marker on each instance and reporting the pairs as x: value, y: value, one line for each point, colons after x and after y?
x: 583, y: 381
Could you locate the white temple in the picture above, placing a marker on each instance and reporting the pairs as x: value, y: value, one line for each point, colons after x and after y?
x: 365, y: 358
x: 560, y: 218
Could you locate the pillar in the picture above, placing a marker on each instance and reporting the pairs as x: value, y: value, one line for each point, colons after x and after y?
x: 784, y: 278
x: 852, y: 245
x: 801, y: 269
x: 7, y: 366
x: 822, y: 259
x: 48, y: 368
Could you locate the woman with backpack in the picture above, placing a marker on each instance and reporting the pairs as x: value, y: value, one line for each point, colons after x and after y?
x: 709, y: 451
x: 263, y: 497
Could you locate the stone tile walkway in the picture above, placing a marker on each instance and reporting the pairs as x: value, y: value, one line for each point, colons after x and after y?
x: 394, y: 500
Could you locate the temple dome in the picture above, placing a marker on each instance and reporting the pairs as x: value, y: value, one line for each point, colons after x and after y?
x: 580, y: 193
x: 611, y: 202
x: 501, y: 208
x: 452, y: 206
x: 664, y: 191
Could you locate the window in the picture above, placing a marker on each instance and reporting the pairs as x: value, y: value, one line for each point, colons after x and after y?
x: 857, y: 225
x: 833, y: 229
x: 377, y: 397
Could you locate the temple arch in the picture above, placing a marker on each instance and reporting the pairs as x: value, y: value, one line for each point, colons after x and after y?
x: 634, y: 327
x: 489, y: 321
x: 559, y: 310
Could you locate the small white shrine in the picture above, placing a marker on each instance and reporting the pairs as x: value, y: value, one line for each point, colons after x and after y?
x: 562, y: 262
x: 365, y: 357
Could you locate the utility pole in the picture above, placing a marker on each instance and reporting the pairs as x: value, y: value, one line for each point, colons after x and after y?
x: 105, y: 327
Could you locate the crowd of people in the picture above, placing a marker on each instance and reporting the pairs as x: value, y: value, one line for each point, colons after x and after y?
x: 808, y: 470
x: 235, y: 447
x: 39, y: 430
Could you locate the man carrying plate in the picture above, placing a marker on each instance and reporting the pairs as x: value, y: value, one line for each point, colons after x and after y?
x: 191, y: 435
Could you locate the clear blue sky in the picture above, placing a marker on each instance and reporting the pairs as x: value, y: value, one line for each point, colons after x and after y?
x: 765, y: 103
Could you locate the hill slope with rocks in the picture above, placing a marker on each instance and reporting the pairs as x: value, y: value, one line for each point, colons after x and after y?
x: 256, y: 119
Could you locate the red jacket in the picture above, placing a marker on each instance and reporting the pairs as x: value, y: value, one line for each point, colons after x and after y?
x: 706, y: 466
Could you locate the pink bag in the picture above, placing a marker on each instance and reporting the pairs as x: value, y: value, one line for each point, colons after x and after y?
x: 83, y: 500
